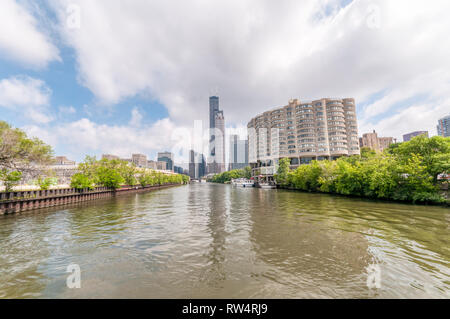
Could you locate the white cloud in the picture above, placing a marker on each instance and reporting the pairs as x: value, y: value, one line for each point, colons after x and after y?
x: 20, y: 39
x: 136, y: 117
x: 420, y: 117
x: 87, y: 137
x: 23, y: 91
x: 260, y: 53
x: 26, y: 95
x: 67, y: 110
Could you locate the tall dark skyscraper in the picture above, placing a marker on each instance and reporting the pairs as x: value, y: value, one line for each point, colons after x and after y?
x: 213, y: 109
x: 216, y: 158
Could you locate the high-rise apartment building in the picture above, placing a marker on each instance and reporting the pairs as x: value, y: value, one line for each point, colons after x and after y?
x: 409, y: 136
x: 238, y: 153
x: 168, y: 158
x: 372, y: 141
x: 216, y: 158
x: 303, y: 131
x: 443, y: 128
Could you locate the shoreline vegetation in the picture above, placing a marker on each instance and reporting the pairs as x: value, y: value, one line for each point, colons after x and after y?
x: 226, y: 177
x: 21, y: 155
x: 411, y: 172
x: 115, y: 173
x: 414, y: 172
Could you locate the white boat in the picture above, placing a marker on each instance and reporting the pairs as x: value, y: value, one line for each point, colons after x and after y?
x: 267, y: 186
x: 242, y: 182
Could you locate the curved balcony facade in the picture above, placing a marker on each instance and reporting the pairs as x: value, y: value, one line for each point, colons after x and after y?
x: 304, y: 131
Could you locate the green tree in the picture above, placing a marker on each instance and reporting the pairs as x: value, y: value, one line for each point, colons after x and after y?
x: 367, y: 153
x: 247, y: 172
x: 128, y: 172
x: 81, y: 181
x: 89, y: 168
x: 46, y: 182
x: 10, y: 179
x: 414, y: 182
x: 406, y: 172
x: 18, y: 152
x: 283, y: 171
x: 434, y: 153
x: 109, y: 177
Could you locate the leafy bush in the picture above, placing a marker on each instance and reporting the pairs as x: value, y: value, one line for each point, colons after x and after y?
x: 81, y: 181
x: 114, y: 173
x: 406, y: 171
x: 45, y: 183
x: 10, y: 179
x: 233, y: 174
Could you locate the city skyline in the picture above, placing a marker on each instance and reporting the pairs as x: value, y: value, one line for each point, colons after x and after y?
x: 85, y: 95
x: 224, y: 157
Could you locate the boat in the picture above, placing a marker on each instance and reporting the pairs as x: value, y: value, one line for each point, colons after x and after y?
x: 242, y: 182
x: 267, y: 186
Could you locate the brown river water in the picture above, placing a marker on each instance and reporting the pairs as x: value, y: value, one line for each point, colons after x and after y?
x: 219, y: 241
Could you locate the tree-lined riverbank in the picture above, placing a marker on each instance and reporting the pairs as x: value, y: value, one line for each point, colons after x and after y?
x: 21, y: 155
x: 413, y: 171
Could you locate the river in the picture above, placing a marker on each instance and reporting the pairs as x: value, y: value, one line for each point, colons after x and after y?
x: 218, y: 241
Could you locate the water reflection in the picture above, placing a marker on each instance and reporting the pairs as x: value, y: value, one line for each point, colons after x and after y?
x: 216, y: 241
x: 215, y: 273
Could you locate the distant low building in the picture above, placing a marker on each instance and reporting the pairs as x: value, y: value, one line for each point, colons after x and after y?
x: 62, y: 160
x: 63, y: 173
x: 110, y: 157
x: 140, y: 160
x: 152, y: 164
x: 372, y: 141
x: 160, y: 165
x: 178, y: 169
x: 409, y: 136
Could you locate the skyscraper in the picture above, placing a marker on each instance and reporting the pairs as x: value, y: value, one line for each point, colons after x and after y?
x: 443, y: 128
x: 216, y: 159
x: 238, y: 153
x: 197, y: 165
x: 213, y: 109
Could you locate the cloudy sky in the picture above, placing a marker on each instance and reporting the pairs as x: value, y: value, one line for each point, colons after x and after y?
x: 113, y: 76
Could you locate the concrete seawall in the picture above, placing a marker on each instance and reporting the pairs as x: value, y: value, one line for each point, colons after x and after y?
x: 16, y: 202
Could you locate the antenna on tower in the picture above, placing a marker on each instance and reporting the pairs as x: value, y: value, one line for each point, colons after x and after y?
x: 214, y: 91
